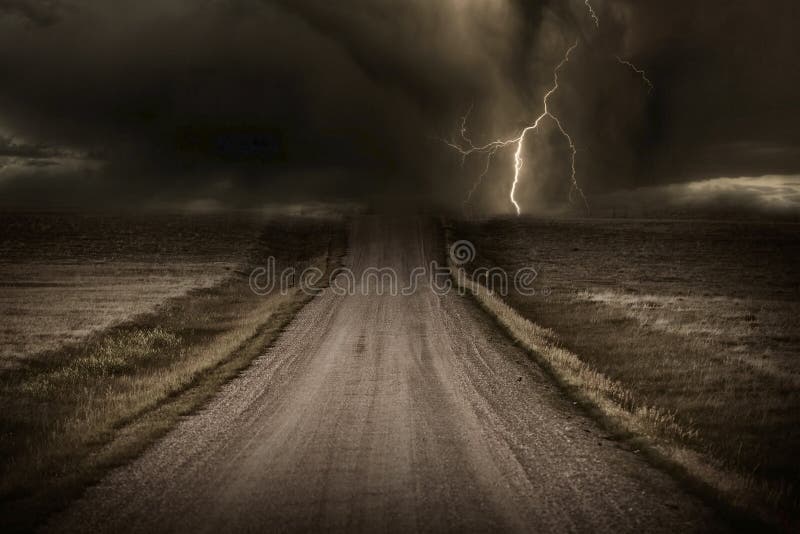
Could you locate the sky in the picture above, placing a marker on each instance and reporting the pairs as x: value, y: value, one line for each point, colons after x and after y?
x: 243, y: 103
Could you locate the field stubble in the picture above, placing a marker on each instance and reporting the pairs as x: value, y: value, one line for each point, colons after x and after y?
x: 686, y: 332
x: 64, y: 276
x: 72, y: 412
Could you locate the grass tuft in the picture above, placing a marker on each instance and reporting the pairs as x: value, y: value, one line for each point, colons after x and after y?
x: 674, y: 374
x: 71, y: 414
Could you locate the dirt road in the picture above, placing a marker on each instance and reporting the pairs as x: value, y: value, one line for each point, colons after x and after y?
x: 388, y: 413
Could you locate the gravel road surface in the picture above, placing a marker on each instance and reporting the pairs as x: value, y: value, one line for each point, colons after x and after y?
x: 388, y: 413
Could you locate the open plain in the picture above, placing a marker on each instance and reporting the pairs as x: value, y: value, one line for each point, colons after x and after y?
x: 698, y: 320
x: 380, y: 412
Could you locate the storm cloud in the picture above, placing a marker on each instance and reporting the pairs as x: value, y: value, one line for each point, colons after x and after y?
x: 39, y: 13
x: 255, y: 101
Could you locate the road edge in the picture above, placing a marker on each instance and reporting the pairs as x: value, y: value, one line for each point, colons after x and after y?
x: 134, y: 436
x: 609, y: 402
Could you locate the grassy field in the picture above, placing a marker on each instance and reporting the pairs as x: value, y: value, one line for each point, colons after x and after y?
x: 72, y: 412
x: 64, y: 276
x: 687, y: 331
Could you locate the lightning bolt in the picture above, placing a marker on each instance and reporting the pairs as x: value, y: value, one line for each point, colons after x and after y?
x: 593, y: 14
x: 464, y: 132
x: 638, y: 71
x: 466, y: 147
x: 621, y: 61
x: 489, y: 155
x: 491, y: 148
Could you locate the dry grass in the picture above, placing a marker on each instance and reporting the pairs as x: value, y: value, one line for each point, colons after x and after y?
x: 46, y: 306
x: 63, y: 276
x: 70, y: 414
x: 652, y: 324
x: 610, y: 395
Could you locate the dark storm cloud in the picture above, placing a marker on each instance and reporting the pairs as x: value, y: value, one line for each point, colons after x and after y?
x: 11, y: 149
x: 728, y: 74
x: 724, y: 104
x: 247, y: 101
x: 37, y: 12
x: 184, y: 98
x: 770, y: 196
